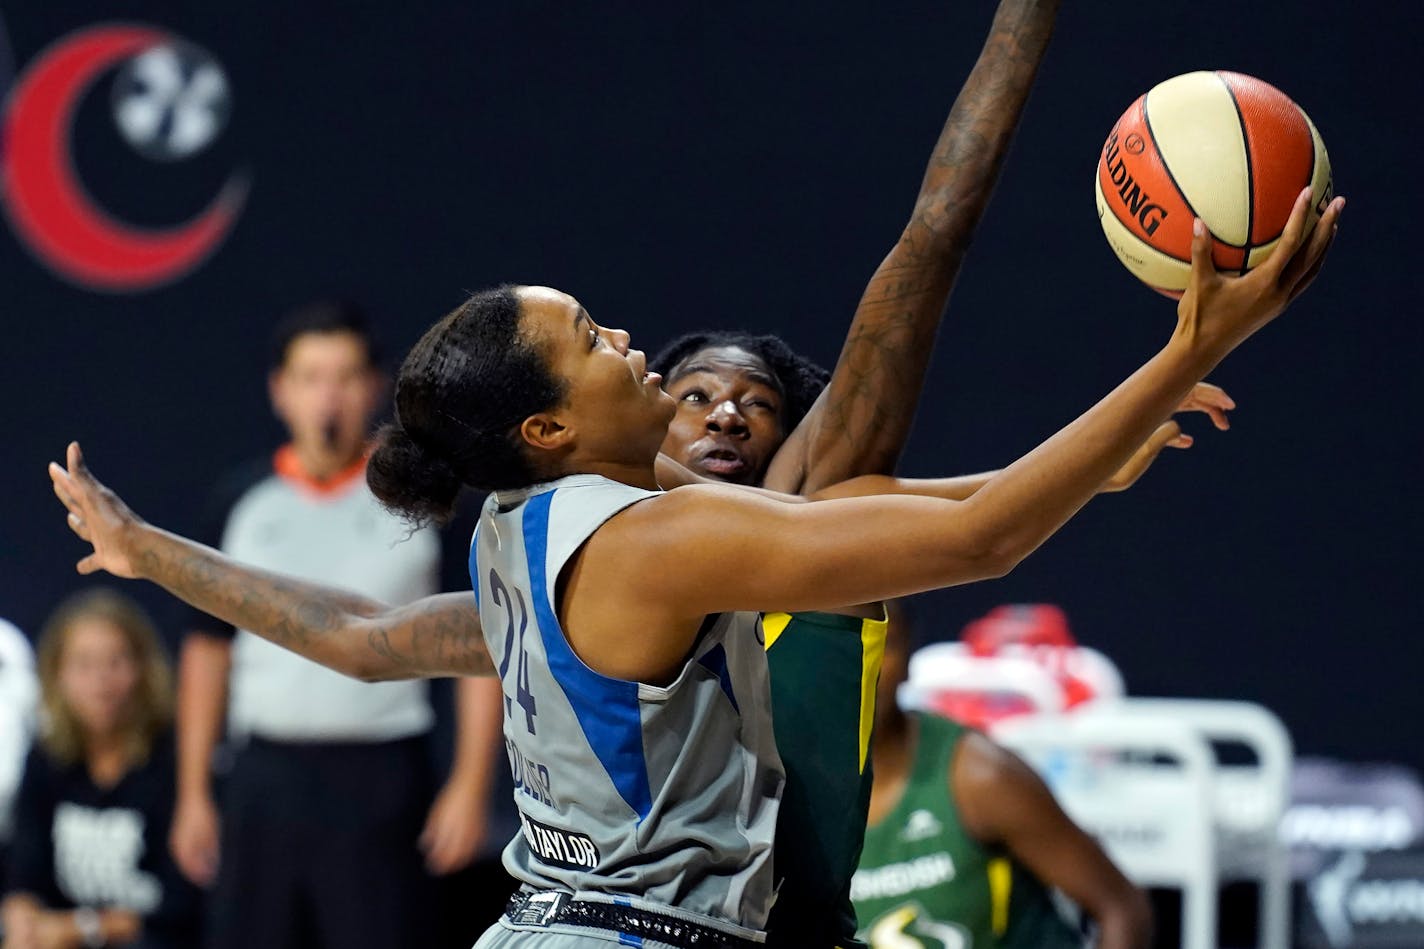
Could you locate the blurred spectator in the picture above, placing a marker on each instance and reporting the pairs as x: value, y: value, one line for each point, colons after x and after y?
x: 19, y: 696
x: 330, y: 802
x: 88, y: 866
x: 965, y: 842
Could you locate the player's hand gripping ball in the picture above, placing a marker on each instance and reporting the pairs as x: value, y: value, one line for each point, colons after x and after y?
x: 1231, y: 150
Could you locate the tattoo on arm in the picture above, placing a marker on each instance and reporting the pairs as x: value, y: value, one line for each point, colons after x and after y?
x: 862, y: 421
x: 438, y: 635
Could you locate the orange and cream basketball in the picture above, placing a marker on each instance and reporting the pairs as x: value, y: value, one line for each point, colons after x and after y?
x: 1227, y: 148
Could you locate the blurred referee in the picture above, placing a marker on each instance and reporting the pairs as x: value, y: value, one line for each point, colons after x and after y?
x: 328, y: 835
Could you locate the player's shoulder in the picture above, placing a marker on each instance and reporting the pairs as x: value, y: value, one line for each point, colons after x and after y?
x: 979, y: 761
x: 983, y: 772
x: 993, y: 787
x: 657, y: 514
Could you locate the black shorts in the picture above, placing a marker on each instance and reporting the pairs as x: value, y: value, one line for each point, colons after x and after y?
x: 319, y: 848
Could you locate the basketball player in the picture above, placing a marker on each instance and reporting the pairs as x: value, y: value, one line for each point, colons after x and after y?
x: 964, y: 841
x: 637, y: 706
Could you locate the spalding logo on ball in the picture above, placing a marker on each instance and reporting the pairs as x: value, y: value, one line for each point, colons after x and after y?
x: 1231, y: 150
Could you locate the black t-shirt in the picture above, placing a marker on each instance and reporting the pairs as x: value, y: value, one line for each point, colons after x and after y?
x: 77, y: 844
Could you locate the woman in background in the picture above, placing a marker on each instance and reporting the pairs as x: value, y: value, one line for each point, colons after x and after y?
x: 89, y: 866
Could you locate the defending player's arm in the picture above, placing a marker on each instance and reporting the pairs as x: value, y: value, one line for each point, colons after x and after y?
x: 1003, y: 802
x: 357, y: 636
x: 1204, y: 397
x: 860, y: 423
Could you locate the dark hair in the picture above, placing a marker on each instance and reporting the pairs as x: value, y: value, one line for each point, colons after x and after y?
x: 800, y: 379
x: 324, y: 316
x: 460, y: 396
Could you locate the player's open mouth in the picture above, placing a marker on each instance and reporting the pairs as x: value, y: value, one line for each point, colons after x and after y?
x: 724, y: 462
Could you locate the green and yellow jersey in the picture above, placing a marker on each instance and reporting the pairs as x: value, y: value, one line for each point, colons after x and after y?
x: 925, y: 882
x: 824, y: 669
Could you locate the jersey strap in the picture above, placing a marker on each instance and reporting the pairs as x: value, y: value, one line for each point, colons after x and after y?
x: 606, y: 708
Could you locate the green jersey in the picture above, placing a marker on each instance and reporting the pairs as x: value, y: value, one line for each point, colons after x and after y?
x: 824, y: 669
x: 925, y: 882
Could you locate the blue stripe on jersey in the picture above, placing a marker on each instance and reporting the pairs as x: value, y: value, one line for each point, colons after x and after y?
x: 475, y: 564
x: 715, y: 661
x: 607, y: 709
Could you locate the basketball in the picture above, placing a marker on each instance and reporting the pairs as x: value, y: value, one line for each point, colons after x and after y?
x: 1227, y: 148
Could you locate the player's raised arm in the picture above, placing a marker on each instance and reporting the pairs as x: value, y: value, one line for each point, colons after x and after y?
x: 860, y: 423
x: 434, y: 636
x: 813, y: 556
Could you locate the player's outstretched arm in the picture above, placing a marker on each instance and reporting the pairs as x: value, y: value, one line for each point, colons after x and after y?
x: 435, y: 636
x: 1204, y: 397
x: 1004, y: 803
x: 860, y: 423
x: 670, y: 553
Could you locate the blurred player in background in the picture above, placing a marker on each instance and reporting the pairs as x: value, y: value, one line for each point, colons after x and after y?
x: 331, y: 788
x: 965, y: 841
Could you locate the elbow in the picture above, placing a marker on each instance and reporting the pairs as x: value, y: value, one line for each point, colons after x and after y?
x: 370, y: 676
x: 968, y: 565
x: 366, y: 675
x: 997, y: 557
x: 362, y: 668
x: 370, y: 671
x: 997, y: 569
x: 1006, y: 561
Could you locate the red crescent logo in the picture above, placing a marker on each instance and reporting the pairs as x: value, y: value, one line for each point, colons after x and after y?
x: 46, y: 202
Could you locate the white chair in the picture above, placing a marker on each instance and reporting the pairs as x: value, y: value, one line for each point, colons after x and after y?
x: 1249, y: 800
x: 1143, y: 785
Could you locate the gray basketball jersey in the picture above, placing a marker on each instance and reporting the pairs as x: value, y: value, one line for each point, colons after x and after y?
x: 658, y: 797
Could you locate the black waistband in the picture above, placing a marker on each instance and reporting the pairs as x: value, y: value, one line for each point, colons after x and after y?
x: 547, y: 907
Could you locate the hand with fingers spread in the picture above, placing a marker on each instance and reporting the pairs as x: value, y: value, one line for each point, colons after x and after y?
x: 1204, y: 397
x: 98, y: 516
x: 1222, y: 310
x: 1210, y: 400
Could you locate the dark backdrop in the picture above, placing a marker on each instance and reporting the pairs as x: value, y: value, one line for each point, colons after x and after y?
x: 747, y: 164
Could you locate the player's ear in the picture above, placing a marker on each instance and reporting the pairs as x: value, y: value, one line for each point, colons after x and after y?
x: 546, y: 432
